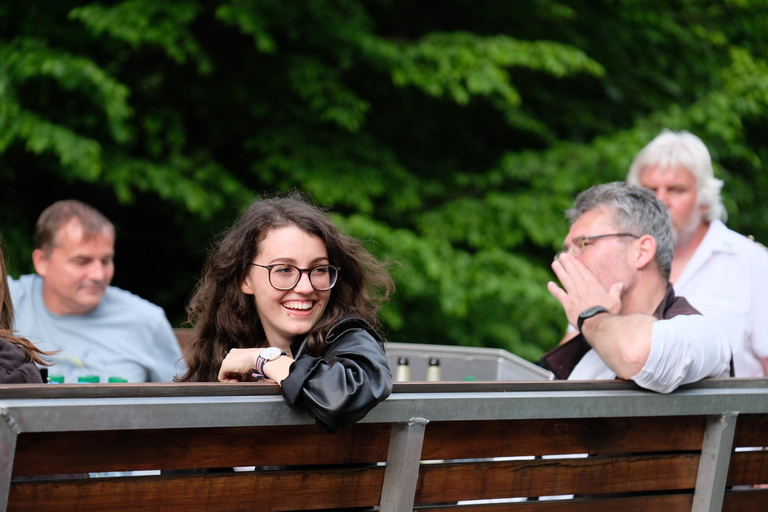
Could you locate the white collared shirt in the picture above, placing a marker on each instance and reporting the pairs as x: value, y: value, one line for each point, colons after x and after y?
x: 727, y: 280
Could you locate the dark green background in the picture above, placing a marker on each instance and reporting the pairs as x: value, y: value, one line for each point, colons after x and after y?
x: 450, y: 135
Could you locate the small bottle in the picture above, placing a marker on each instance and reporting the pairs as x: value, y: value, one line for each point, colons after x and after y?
x: 56, y: 379
x: 433, y: 372
x: 403, y: 370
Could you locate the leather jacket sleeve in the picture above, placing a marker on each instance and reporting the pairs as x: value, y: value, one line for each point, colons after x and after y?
x: 348, y: 380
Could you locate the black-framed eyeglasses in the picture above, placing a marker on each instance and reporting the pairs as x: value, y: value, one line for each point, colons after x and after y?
x: 285, y: 277
x: 578, y: 244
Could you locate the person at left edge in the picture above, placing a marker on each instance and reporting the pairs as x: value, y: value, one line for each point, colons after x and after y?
x: 69, y: 305
x: 17, y: 355
x: 285, y: 296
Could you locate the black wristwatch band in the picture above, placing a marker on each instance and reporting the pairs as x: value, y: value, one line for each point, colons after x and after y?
x: 589, y: 313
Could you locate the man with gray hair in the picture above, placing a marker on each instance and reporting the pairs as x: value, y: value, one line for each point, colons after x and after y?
x: 723, y: 274
x: 614, y: 271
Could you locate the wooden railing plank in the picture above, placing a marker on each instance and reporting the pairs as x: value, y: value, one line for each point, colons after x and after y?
x: 260, y: 491
x: 527, y: 478
x: 748, y: 468
x: 136, y: 390
x: 84, y: 452
x: 745, y: 500
x: 667, y: 502
x: 751, y: 430
x: 504, y: 438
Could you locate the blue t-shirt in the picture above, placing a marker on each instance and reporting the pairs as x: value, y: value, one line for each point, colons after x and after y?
x: 125, y: 336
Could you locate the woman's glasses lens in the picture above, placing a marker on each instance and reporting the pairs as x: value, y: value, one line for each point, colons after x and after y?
x: 285, y: 277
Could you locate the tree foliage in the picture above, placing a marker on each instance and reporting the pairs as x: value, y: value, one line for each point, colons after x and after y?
x: 450, y: 136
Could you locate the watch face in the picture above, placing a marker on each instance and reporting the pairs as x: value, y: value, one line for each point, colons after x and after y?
x: 270, y: 353
x: 592, y: 312
x: 589, y: 313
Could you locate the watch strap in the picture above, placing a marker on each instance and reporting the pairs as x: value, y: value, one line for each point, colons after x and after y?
x: 259, y: 373
x: 589, y: 313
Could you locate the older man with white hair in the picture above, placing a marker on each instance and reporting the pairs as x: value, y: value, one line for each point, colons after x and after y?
x: 722, y: 274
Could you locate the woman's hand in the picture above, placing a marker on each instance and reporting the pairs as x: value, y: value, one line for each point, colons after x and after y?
x: 239, y: 364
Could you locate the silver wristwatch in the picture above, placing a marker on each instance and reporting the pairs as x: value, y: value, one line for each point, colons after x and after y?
x: 268, y: 354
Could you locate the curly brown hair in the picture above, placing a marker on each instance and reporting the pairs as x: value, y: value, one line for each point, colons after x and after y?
x: 224, y: 317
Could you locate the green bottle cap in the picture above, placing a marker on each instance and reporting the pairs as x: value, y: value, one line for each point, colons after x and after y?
x: 94, y: 379
x: 470, y: 377
x: 117, y: 379
x: 56, y: 379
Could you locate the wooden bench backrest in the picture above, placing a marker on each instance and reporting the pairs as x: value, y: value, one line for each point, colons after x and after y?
x: 348, y: 477
x: 642, y: 456
x: 634, y: 463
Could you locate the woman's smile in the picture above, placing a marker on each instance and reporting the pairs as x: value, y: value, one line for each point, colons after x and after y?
x: 301, y: 306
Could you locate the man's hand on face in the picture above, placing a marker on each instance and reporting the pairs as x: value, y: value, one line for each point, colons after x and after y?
x: 581, y: 289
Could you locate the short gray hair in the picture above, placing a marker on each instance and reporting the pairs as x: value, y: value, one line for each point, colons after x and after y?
x: 633, y: 210
x: 675, y: 149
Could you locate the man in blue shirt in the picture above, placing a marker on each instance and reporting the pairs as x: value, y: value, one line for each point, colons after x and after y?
x: 69, y: 305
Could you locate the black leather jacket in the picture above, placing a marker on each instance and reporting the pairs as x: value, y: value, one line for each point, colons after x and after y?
x: 348, y: 380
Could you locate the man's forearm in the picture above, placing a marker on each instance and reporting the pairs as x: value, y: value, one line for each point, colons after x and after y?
x: 622, y: 341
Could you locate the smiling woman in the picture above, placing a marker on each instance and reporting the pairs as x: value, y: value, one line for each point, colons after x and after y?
x: 285, y: 296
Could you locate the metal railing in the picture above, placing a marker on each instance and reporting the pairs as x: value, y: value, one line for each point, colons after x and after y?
x: 150, y: 406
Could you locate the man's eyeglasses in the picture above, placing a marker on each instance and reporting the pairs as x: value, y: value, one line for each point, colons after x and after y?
x: 286, y: 277
x: 578, y: 244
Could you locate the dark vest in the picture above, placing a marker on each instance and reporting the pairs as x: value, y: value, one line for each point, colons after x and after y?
x: 563, y: 359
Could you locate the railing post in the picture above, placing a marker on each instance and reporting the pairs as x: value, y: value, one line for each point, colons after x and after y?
x: 9, y: 430
x: 713, y: 464
x: 402, y: 473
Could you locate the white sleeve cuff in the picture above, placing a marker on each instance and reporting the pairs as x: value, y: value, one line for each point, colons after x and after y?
x: 684, y: 349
